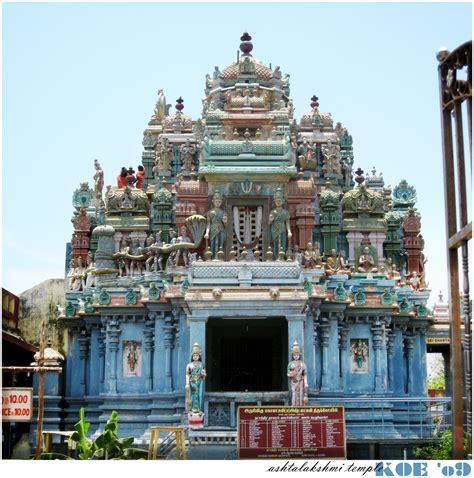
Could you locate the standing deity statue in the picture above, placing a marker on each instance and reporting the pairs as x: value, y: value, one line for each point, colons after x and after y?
x: 91, y: 277
x: 184, y: 252
x: 187, y: 155
x: 136, y: 264
x: 71, y: 273
x: 216, y: 223
x: 124, y: 261
x: 279, y: 221
x: 195, y: 376
x: 331, y: 155
x: 98, y: 180
x: 163, y: 156
x: 296, y: 372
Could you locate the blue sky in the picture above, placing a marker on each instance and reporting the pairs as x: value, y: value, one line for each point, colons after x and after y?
x: 80, y: 82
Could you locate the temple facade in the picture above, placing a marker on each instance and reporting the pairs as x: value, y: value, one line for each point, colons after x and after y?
x: 244, y: 231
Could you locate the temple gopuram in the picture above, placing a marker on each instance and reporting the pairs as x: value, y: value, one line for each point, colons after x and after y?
x: 244, y: 235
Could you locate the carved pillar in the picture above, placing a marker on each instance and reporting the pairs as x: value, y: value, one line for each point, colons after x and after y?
x: 323, y: 333
x: 177, y: 347
x: 149, y: 348
x: 409, y: 352
x: 343, y: 330
x: 102, y: 348
x: 296, y: 332
x: 84, y: 346
x: 113, y: 333
x: 390, y: 338
x: 197, y: 334
x: 316, y: 314
x: 168, y: 330
x: 378, y: 344
x: 330, y: 219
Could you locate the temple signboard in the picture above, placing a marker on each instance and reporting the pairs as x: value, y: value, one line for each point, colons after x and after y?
x: 291, y: 432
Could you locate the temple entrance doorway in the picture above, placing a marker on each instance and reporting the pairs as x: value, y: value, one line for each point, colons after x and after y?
x: 246, y: 355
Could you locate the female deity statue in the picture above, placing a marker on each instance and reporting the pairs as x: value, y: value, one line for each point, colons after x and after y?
x: 216, y: 222
x: 195, y: 376
x: 279, y: 221
x: 296, y: 372
x: 98, y: 180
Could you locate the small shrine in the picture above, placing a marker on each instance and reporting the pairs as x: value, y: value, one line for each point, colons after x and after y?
x: 247, y: 239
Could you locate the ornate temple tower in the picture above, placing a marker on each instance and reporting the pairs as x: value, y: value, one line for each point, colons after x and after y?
x: 238, y: 196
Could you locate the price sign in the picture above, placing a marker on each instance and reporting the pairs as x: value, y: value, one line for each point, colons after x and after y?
x: 17, y: 404
x: 291, y: 432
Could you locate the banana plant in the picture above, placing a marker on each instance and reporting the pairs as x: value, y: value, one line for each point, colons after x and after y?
x: 107, y: 446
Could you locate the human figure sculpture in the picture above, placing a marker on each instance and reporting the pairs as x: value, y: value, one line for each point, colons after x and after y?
x: 160, y: 107
x: 171, y: 258
x: 123, y: 261
x: 98, y: 180
x: 415, y: 281
x: 187, y: 154
x: 154, y: 261
x: 90, y: 271
x: 216, y: 223
x: 332, y: 263
x: 140, y: 177
x: 71, y: 273
x: 122, y: 178
x: 279, y: 221
x: 183, y: 252
x: 343, y: 265
x: 79, y: 275
x: 366, y: 262
x: 195, y: 376
x: 359, y: 352
x: 296, y: 372
x: 311, y: 257
x: 163, y: 156
x: 136, y: 264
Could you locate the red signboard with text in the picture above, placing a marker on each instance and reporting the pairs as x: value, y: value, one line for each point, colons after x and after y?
x: 291, y: 432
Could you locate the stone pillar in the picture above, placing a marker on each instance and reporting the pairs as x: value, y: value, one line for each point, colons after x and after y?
x: 177, y: 347
x: 343, y: 346
x: 102, y: 348
x: 113, y: 333
x: 323, y: 333
x: 168, y: 330
x: 409, y: 352
x: 197, y: 334
x: 84, y: 344
x: 379, y: 345
x: 149, y: 348
x: 316, y: 314
x: 296, y: 332
x: 390, y: 353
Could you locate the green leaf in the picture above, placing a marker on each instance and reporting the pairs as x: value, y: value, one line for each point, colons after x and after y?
x: 55, y: 456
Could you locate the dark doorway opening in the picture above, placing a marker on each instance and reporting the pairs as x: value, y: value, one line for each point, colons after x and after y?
x: 246, y: 355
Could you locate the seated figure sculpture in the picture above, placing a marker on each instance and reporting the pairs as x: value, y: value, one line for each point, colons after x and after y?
x: 311, y: 257
x: 366, y: 262
x: 344, y: 267
x: 332, y: 263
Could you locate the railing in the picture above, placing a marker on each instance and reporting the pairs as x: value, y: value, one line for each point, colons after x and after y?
x: 367, y: 419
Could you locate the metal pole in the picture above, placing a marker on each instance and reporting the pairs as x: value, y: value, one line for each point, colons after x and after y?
x: 39, y: 427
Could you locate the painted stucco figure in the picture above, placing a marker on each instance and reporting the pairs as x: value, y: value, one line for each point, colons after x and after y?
x: 279, y: 220
x: 195, y: 376
x: 296, y: 372
x: 216, y: 222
